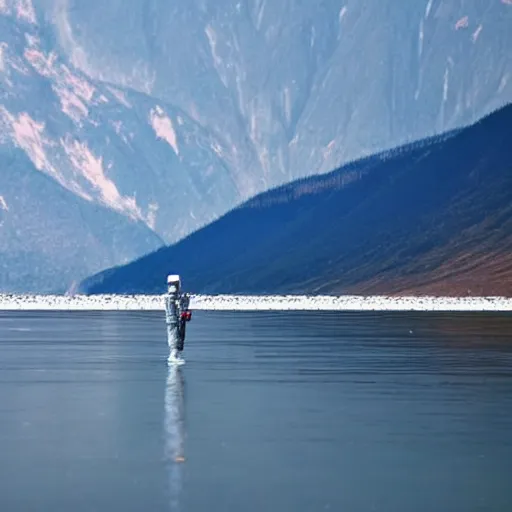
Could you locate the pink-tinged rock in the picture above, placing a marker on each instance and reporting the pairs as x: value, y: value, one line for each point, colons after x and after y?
x: 71, y: 104
x: 90, y: 167
x: 28, y: 135
x: 462, y: 23
x: 25, y: 11
x: 42, y: 63
x: 164, y: 128
x: 74, y: 92
x: 80, y: 86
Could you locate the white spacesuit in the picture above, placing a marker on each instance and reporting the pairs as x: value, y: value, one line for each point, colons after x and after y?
x: 177, y: 314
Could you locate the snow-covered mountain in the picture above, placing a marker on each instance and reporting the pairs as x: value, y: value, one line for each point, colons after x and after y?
x: 171, y: 113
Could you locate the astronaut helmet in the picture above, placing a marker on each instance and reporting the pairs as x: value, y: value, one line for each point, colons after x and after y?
x: 173, y: 283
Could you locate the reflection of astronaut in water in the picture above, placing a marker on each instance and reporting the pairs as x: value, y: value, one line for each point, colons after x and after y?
x: 177, y: 314
x: 174, y: 432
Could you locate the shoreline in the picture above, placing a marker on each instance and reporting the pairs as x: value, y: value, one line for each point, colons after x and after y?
x: 13, y: 302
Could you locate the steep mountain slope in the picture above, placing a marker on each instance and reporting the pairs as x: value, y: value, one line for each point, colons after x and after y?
x: 172, y: 113
x: 189, y: 107
x: 112, y: 147
x: 35, y: 211
x: 433, y: 217
x: 292, y: 88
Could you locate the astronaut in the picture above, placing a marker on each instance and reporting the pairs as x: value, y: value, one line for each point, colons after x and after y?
x: 177, y: 314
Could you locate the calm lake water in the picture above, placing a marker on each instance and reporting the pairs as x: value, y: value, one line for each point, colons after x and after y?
x: 272, y: 412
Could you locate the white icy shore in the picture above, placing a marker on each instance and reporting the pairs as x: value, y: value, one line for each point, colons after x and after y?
x: 254, y: 303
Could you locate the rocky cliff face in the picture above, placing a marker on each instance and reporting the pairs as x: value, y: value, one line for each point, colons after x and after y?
x: 171, y: 113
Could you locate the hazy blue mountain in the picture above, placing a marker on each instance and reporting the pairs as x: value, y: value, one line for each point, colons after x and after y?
x: 170, y: 113
x: 432, y: 217
x: 36, y: 212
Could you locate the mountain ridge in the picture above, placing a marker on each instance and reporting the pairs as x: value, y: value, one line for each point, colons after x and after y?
x: 29, y: 261
x: 410, y: 212
x: 172, y: 114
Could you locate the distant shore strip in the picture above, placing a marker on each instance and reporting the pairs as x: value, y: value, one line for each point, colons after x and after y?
x: 254, y: 303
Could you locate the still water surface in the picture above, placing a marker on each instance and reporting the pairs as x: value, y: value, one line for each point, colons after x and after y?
x: 272, y: 412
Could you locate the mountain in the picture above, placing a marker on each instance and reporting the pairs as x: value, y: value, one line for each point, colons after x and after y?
x: 170, y: 114
x: 433, y: 217
x: 35, y: 211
